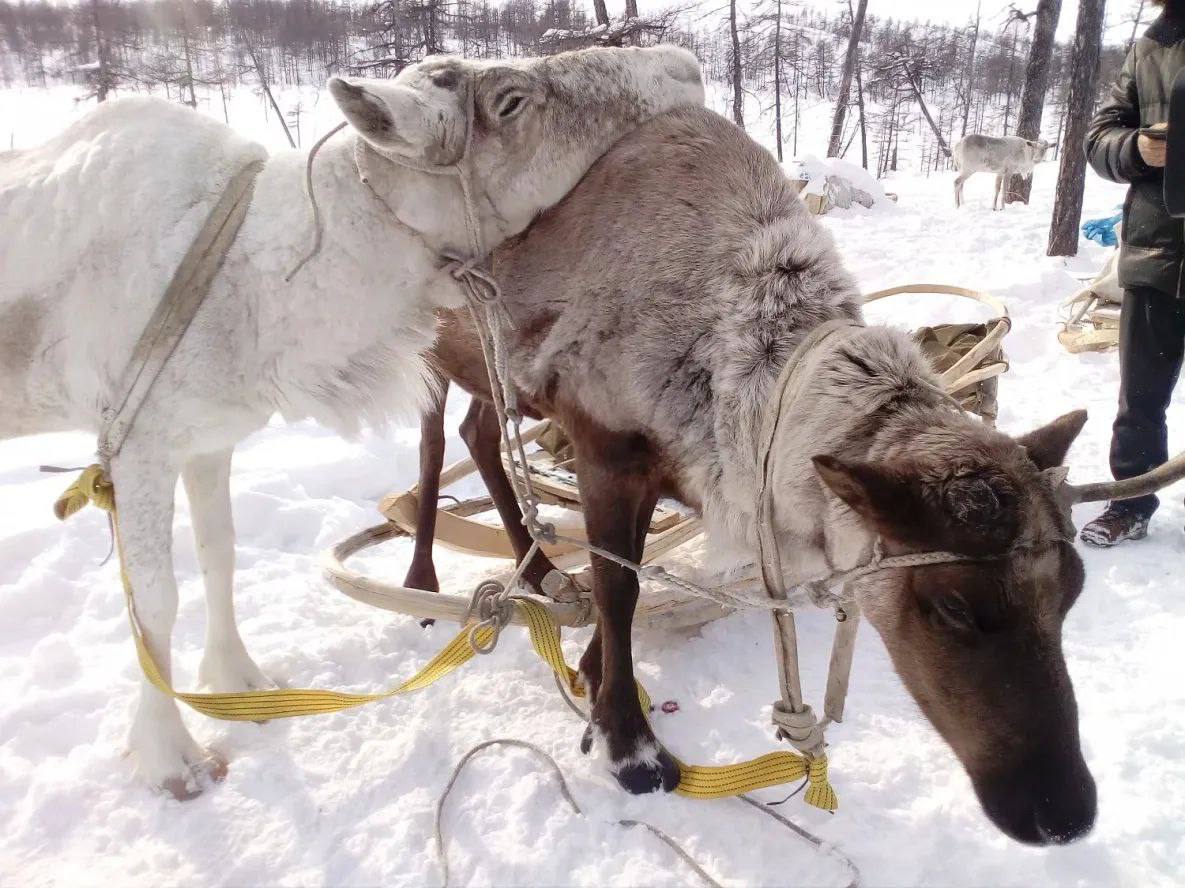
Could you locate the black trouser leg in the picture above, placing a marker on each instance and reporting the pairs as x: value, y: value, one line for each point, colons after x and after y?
x: 1151, y: 348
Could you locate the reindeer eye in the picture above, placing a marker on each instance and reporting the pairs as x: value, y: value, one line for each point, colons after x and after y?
x: 511, y: 106
x: 951, y: 612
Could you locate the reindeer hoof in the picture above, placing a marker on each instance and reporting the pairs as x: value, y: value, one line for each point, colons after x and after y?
x: 654, y: 771
x: 586, y: 740
x: 199, y: 775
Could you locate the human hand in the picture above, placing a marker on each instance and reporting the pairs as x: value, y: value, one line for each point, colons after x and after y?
x: 1153, y: 150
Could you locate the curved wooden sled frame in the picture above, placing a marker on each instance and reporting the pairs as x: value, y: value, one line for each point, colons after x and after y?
x: 457, y: 530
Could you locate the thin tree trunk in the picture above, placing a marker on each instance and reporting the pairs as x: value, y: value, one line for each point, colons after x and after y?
x: 631, y: 8
x: 1071, y: 179
x: 267, y: 89
x: 102, y: 85
x: 1136, y: 26
x: 601, y: 11
x: 917, y: 94
x: 778, y: 76
x: 738, y: 97
x: 845, y: 81
x: 1032, y: 100
x: 797, y: 85
x: 1011, y: 79
x: 971, y: 66
x: 188, y: 58
x: 863, y: 122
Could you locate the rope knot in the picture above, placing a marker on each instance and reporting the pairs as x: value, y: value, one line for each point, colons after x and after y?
x: 800, y: 729
x: 92, y: 486
x: 820, y: 793
x: 491, y: 607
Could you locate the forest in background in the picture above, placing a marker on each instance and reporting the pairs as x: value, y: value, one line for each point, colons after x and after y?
x: 971, y: 77
x: 891, y: 82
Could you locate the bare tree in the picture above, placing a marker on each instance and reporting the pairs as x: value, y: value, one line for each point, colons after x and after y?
x: 738, y: 94
x: 1016, y: 18
x: 1136, y: 22
x: 1032, y: 100
x: 1071, y: 179
x: 851, y: 60
x: 601, y: 10
x: 778, y: 75
x: 863, y: 119
x: 969, y: 76
x: 103, y: 76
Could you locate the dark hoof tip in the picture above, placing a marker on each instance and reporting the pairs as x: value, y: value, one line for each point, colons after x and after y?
x: 426, y: 622
x: 586, y: 740
x: 641, y: 778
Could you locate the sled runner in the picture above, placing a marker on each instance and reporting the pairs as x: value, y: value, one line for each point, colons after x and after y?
x: 968, y: 357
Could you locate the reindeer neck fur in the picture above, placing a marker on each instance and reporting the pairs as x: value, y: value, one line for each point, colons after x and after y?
x: 869, y: 396
x: 349, y: 360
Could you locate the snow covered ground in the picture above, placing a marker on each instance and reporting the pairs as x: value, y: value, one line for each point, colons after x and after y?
x: 348, y: 799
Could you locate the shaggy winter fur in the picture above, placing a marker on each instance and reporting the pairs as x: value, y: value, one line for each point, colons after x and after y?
x: 95, y: 221
x: 736, y: 274
x: 654, y: 309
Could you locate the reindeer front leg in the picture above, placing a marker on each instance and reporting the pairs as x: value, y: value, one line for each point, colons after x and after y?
x: 165, y: 755
x: 618, y: 505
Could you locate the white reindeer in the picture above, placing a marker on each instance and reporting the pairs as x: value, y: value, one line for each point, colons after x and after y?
x: 1005, y: 156
x: 93, y: 223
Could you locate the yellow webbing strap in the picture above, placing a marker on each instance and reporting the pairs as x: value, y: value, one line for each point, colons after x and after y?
x: 696, y: 781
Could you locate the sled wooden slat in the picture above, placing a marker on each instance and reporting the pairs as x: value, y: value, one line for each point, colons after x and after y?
x: 657, y: 608
x: 458, y: 530
x: 464, y: 534
x: 417, y: 602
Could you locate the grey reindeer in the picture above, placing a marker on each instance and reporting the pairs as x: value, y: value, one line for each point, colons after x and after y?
x: 653, y: 309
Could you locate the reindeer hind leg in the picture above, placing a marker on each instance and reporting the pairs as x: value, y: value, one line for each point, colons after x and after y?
x: 421, y: 574
x: 481, y: 435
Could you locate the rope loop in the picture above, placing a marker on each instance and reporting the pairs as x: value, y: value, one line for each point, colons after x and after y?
x: 801, y: 729
x: 92, y: 486
x: 491, y: 607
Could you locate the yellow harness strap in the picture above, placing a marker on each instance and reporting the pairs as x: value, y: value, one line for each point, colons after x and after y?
x: 696, y: 781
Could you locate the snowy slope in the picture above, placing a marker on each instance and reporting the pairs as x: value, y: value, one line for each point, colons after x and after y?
x: 349, y: 798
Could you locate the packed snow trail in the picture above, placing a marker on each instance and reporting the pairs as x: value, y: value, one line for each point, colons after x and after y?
x: 349, y: 798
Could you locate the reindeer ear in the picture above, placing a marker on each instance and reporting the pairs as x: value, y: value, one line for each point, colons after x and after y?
x: 874, y: 492
x: 366, y: 111
x: 397, y: 118
x: 1047, y: 446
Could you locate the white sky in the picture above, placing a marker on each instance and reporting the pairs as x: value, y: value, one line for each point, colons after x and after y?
x: 958, y: 12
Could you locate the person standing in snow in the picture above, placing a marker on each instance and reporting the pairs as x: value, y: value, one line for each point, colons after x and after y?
x: 1152, y: 325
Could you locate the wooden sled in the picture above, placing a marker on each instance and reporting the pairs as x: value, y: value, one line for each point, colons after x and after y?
x: 1090, y: 317
x: 969, y: 359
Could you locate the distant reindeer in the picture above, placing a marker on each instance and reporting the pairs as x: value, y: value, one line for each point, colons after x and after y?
x: 1006, y: 156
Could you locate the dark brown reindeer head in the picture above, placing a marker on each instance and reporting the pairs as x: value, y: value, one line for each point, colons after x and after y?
x: 978, y: 642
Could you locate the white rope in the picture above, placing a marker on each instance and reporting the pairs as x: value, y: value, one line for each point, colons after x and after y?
x: 565, y: 791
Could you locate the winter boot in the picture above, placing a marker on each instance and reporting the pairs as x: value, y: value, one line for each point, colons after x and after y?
x: 1116, y: 524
